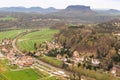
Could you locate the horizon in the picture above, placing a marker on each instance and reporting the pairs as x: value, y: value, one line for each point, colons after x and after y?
x: 59, y: 8
x: 61, y: 4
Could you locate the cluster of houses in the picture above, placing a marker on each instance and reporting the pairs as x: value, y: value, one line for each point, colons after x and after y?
x: 53, y: 45
x: 7, y: 52
x: 80, y: 59
x: 17, y: 59
x: 20, y: 60
x: 116, y: 70
x: 47, y: 46
x: 76, y: 58
x: 117, y: 34
x: 49, y: 19
x: 4, y: 48
x: 6, y: 41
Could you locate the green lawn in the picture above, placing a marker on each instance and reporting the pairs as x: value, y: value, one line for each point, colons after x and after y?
x: 10, y: 34
x: 27, y: 74
x: 27, y: 41
x: 8, y: 18
x: 51, y: 60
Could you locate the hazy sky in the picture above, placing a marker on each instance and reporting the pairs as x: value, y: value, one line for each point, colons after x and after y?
x: 107, y: 4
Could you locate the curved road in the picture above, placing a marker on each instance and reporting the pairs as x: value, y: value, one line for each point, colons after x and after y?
x: 53, y: 70
x: 14, y: 46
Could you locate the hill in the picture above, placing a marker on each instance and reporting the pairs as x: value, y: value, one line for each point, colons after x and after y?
x: 110, y: 11
x: 78, y: 7
x: 31, y: 9
x: 76, y: 10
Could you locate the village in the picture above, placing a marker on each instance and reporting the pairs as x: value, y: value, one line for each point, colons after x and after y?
x: 25, y: 60
x: 76, y: 57
x: 8, y: 52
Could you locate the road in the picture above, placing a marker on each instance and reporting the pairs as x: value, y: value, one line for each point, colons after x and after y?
x: 42, y: 65
x: 14, y: 46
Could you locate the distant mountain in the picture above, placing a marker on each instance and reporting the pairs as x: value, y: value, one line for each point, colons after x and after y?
x: 51, y: 9
x: 72, y: 14
x: 75, y: 10
x: 78, y: 7
x: 32, y: 9
x: 110, y: 11
x: 113, y: 11
x: 70, y: 10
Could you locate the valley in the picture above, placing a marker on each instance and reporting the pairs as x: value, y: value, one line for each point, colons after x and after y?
x: 74, y: 43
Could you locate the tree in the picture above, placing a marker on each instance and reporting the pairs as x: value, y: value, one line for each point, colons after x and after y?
x: 116, y: 58
x: 79, y: 64
x: 35, y: 46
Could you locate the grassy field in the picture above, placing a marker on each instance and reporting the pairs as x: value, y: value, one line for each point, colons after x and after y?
x: 24, y: 74
x: 8, y: 18
x: 27, y: 74
x: 3, y: 66
x: 27, y: 41
x: 10, y: 34
x: 51, y: 60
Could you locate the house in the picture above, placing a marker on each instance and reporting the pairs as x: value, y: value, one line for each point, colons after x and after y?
x: 77, y: 58
x: 4, y: 49
x: 116, y: 70
x: 82, y: 59
x: 12, y: 51
x: 50, y: 45
x: 10, y: 56
x: 76, y: 54
x: 95, y: 61
x: 6, y: 41
x: 1, y: 56
x: 37, y: 53
x: 117, y: 33
x: 59, y: 57
x: 113, y: 71
x: 118, y: 51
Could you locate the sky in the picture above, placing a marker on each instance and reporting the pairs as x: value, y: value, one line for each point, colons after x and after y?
x: 61, y: 4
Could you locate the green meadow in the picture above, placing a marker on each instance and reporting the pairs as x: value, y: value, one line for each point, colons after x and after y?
x: 8, y: 73
x: 8, y: 18
x: 27, y: 74
x: 10, y: 34
x: 27, y: 41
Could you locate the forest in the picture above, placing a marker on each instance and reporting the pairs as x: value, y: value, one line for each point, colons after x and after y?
x: 101, y: 41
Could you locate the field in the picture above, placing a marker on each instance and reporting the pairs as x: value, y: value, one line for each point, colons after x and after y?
x: 51, y: 60
x: 27, y: 41
x: 26, y: 74
x: 7, y: 18
x: 10, y: 34
x: 3, y: 66
x: 8, y: 73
